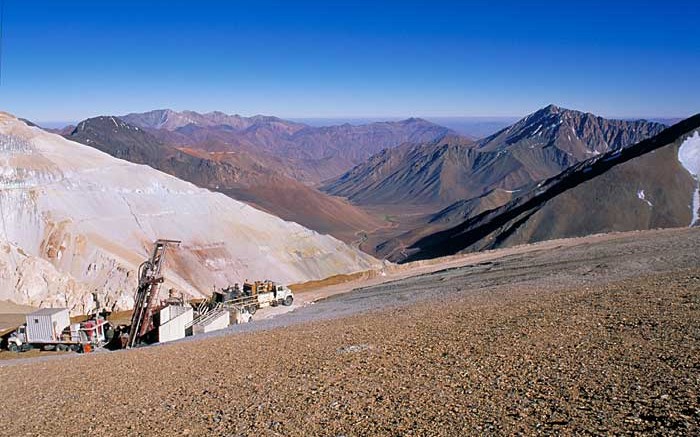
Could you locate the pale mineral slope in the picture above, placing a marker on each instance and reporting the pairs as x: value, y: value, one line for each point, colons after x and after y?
x: 76, y: 220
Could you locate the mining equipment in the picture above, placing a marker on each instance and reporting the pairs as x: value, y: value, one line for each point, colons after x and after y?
x: 143, y: 326
x: 239, y: 304
x: 256, y: 295
x: 152, y: 320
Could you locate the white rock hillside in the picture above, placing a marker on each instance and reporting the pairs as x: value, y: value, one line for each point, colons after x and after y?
x: 75, y: 220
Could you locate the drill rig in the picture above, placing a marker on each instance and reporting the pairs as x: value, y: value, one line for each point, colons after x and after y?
x: 146, y: 299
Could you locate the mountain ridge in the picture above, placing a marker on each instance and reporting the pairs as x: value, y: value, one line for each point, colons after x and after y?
x: 510, y: 159
x: 452, y: 178
x: 318, y: 153
x: 241, y: 175
x: 504, y: 225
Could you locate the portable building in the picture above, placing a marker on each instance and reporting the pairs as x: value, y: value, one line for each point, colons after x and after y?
x: 47, y: 324
x: 173, y: 321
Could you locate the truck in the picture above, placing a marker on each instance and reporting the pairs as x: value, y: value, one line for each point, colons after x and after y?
x: 254, y: 296
x: 51, y: 329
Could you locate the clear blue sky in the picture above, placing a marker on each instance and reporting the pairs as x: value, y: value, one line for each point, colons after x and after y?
x: 67, y: 60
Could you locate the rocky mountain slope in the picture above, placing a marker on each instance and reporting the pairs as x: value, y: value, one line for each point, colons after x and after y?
x: 652, y: 184
x: 575, y: 135
x: 242, y: 175
x: 317, y: 153
x: 452, y: 179
x: 453, y: 169
x: 437, y: 174
x: 394, y: 246
x: 76, y: 220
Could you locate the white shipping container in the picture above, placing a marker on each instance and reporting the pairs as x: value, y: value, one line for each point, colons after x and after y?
x: 47, y: 324
x: 172, y: 311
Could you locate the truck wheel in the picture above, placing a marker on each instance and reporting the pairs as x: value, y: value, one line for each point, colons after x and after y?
x: 12, y: 347
x: 61, y: 347
x: 288, y: 300
x: 75, y: 348
x: 252, y: 309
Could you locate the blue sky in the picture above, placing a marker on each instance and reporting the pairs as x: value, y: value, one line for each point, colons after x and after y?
x: 67, y: 60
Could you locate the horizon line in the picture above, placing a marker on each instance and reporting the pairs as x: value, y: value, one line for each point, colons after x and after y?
x: 383, y: 117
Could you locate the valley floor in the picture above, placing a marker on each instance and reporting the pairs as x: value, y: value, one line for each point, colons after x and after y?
x: 598, y: 337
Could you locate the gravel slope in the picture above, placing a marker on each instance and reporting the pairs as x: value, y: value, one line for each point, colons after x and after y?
x: 546, y: 343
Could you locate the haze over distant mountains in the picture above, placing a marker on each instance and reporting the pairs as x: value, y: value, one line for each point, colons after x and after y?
x: 470, y: 126
x: 475, y: 127
x: 256, y: 178
x: 313, y: 154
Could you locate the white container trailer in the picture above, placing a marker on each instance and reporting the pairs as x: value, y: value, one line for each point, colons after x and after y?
x: 47, y: 324
x: 50, y: 329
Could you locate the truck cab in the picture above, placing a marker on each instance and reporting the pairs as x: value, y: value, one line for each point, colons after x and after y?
x: 17, y: 339
x: 274, y: 295
x: 284, y: 295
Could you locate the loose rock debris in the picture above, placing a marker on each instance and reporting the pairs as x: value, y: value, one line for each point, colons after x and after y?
x: 541, y: 355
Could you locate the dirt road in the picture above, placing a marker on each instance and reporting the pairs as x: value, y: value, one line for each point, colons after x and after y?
x: 595, y: 338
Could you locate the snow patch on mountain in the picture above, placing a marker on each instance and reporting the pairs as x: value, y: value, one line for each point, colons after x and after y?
x: 689, y: 157
x: 643, y: 197
x: 689, y: 153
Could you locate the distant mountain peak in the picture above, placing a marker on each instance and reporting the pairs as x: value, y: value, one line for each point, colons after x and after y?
x: 416, y: 121
x: 552, y: 108
x: 576, y: 135
x: 169, y: 120
x: 108, y: 121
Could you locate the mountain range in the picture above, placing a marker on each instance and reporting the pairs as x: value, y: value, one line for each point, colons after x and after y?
x: 77, y: 220
x: 424, y: 179
x: 254, y: 178
x: 311, y: 154
x: 453, y: 178
x: 452, y: 169
x: 651, y: 184
x: 418, y: 163
x: 247, y: 195
x: 265, y: 161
